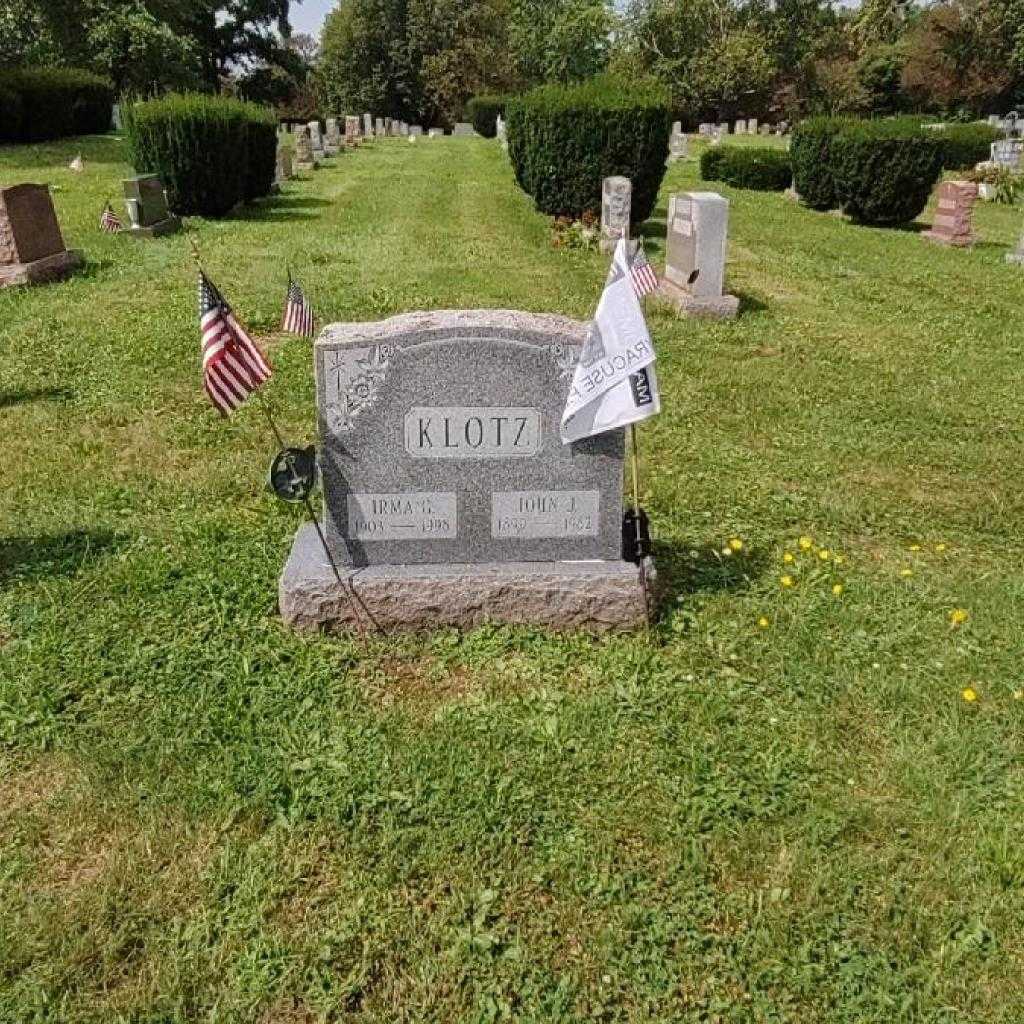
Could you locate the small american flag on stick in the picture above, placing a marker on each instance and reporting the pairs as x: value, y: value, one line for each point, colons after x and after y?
x: 109, y: 221
x: 645, y: 281
x: 233, y: 367
x: 298, y: 314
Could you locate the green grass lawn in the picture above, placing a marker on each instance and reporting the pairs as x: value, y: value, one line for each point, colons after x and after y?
x: 205, y: 818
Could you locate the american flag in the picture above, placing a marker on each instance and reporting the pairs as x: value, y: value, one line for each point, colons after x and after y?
x: 298, y: 314
x: 645, y: 281
x: 109, y: 221
x: 233, y: 367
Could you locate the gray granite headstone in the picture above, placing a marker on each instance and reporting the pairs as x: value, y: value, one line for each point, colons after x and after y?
x: 378, y: 127
x: 446, y: 484
x: 368, y: 126
x: 616, y: 210
x: 695, y: 250
x: 146, y: 202
x: 463, y: 128
x: 436, y: 133
x: 415, y: 130
x: 305, y: 160
x: 678, y: 147
x: 1007, y: 153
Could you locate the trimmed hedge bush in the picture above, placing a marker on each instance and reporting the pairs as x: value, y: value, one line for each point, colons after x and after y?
x: 810, y: 158
x: 211, y: 152
x: 879, y: 172
x: 52, y: 103
x: 565, y: 140
x: 483, y: 111
x: 757, y: 167
x: 964, y: 145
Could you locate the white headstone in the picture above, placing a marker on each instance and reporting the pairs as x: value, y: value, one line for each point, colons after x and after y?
x: 698, y: 227
x: 616, y: 210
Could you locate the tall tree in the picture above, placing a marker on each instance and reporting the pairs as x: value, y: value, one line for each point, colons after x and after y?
x: 561, y: 40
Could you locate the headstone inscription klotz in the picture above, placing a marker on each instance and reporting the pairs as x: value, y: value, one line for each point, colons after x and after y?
x: 449, y: 498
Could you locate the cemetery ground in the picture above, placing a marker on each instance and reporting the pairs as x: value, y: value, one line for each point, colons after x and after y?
x: 797, y: 799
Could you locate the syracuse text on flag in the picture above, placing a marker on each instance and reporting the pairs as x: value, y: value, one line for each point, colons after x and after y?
x: 614, y: 384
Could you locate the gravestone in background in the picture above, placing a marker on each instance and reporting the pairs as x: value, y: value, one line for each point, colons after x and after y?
x: 415, y: 130
x: 678, y: 147
x: 115, y: 117
x: 723, y: 128
x: 351, y: 130
x: 368, y: 126
x: 449, y: 498
x: 752, y: 126
x: 332, y: 138
x: 304, y: 158
x: 741, y: 128
x: 436, y: 133
x: 283, y: 166
x: 31, y: 246
x: 146, y: 202
x: 1007, y: 153
x: 464, y: 128
x: 316, y: 139
x: 698, y: 225
x: 953, y: 222
x: 616, y: 210
x: 378, y: 127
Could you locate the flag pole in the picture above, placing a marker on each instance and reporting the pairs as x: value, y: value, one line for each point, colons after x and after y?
x: 264, y: 404
x: 636, y: 502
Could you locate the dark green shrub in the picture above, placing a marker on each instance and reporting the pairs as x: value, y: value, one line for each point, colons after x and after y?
x: 884, y: 171
x: 757, y: 167
x: 208, y: 150
x: 259, y: 179
x: 810, y: 158
x: 11, y: 111
x: 57, y: 102
x: 484, y: 111
x: 565, y: 140
x: 964, y: 145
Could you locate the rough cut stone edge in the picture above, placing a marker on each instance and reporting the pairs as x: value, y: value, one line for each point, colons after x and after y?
x: 448, y: 320
x: 595, y: 597
x: 725, y: 307
x: 49, y: 268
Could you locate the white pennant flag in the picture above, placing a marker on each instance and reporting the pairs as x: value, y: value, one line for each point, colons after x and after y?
x: 615, y: 383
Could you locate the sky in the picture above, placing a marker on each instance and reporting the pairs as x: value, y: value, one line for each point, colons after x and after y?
x: 309, y: 15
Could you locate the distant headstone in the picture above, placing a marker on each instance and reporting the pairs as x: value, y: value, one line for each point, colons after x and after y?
x: 368, y: 126
x: 677, y: 127
x: 678, y: 147
x: 463, y: 128
x: 304, y: 157
x: 752, y: 126
x: 436, y: 133
x: 333, y: 141
x: 115, y: 117
x: 396, y: 129
x: 415, y: 130
x: 995, y: 120
x: 316, y: 139
x: 953, y: 222
x: 351, y: 130
x: 146, y: 201
x: 723, y: 128
x: 403, y: 129
x: 31, y: 246
x: 616, y: 210
x: 387, y: 126
x: 283, y: 166
x: 1007, y: 153
x: 741, y: 128
x: 764, y: 129
x: 449, y: 499
x: 378, y: 128
x: 698, y: 226
x: 500, y: 131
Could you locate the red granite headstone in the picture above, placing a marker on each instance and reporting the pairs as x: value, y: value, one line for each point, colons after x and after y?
x: 953, y: 217
x: 31, y: 246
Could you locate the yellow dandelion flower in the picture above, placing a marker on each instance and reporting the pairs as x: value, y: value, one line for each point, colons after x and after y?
x: 837, y: 589
x: 736, y: 544
x: 806, y: 543
x: 763, y: 622
x: 958, y: 616
x: 915, y: 547
x: 788, y: 581
x: 840, y: 560
x: 906, y: 573
x: 788, y: 558
x: 940, y: 548
x: 824, y: 554
x: 1018, y: 694
x: 970, y: 695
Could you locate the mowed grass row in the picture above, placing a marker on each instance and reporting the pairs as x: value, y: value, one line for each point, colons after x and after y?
x: 777, y: 806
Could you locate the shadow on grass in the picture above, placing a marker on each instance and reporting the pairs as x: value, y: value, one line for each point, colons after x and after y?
x: 749, y: 301
x: 282, y: 208
x: 52, y: 555
x: 9, y: 399
x: 686, y: 571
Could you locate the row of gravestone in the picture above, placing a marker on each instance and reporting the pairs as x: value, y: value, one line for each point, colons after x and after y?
x: 748, y: 127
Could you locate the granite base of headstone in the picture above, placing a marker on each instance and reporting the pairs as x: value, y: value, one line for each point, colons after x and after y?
x: 449, y: 498
x: 146, y: 202
x: 32, y: 248
x: 953, y: 221
x: 695, y: 251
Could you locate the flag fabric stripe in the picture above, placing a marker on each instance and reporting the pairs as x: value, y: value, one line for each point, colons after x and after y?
x: 109, y: 221
x: 645, y: 281
x: 298, y: 314
x: 233, y: 367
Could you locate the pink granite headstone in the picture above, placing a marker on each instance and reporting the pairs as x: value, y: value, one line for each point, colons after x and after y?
x: 954, y: 214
